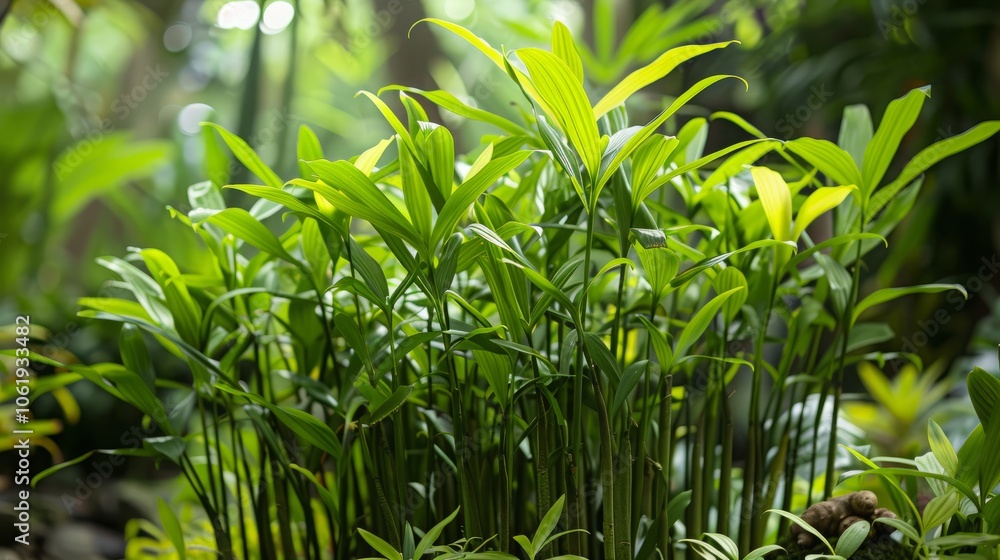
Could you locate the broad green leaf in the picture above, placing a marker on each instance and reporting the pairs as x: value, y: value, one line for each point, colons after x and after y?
x: 984, y: 390
x: 351, y: 191
x: 889, y: 294
x: 928, y: 157
x: 636, y: 140
x: 463, y: 197
x: 390, y: 405
x: 776, y: 199
x: 307, y: 149
x: 942, y: 448
x: 185, y: 311
x: 171, y: 527
x: 700, y: 321
x: 664, y: 354
x: 630, y: 379
x: 369, y: 158
x: 135, y: 356
x: 899, y: 116
x: 660, y: 265
x: 564, y: 47
x: 730, y: 279
x: 566, y: 102
x: 958, y: 540
x: 726, y: 544
x: 496, y: 369
x: 380, y: 546
x: 989, y: 462
x: 242, y: 225
x: 650, y: 73
x: 548, y: 524
x: 828, y: 158
x: 939, y: 510
x: 819, y: 202
x: 852, y: 539
x: 903, y: 527
x: 856, y: 130
x: 247, y: 156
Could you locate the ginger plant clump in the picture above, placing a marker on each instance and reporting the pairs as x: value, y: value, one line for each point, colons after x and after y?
x: 832, y: 517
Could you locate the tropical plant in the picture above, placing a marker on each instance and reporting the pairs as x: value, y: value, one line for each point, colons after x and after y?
x: 575, y: 308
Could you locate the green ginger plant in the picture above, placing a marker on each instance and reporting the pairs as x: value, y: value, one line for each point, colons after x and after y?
x: 569, y: 310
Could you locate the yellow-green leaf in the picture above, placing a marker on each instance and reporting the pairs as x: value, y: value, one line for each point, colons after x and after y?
x: 776, y: 198
x: 822, y: 200
x: 651, y: 73
x: 564, y: 47
x: 566, y: 102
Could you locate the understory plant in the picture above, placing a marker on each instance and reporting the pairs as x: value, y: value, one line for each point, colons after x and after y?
x: 582, y: 315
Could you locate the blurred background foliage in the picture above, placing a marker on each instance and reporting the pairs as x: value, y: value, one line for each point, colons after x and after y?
x: 101, y: 100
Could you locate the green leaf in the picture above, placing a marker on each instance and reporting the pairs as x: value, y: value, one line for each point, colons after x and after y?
x: 729, y: 279
x: 325, y: 495
x: 451, y: 103
x: 380, y: 546
x: 889, y: 294
x: 564, y: 47
x: 903, y: 527
x: 989, y: 465
x: 959, y: 540
x: 942, y: 448
x: 705, y: 264
x: 430, y: 536
x: 896, y: 122
x: 664, y: 354
x: 939, y: 510
x: 547, y: 524
x: 496, y: 368
x: 171, y: 447
x: 819, y: 202
x: 856, y: 132
x: 763, y: 551
x: 700, y: 322
x: 172, y: 527
x: 59, y: 467
x: 300, y: 422
x: 852, y: 539
x: 247, y: 156
x: 726, y: 544
x: 565, y: 101
x: 633, y: 373
x: 806, y: 526
x: 928, y: 157
x: 776, y: 198
x: 984, y: 390
x: 463, y: 197
x: 135, y: 356
x: 242, y: 225
x: 650, y: 73
x: 351, y: 191
x: 828, y: 158
x: 390, y: 405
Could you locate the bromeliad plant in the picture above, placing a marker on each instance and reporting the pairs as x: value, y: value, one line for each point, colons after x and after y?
x: 570, y: 313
